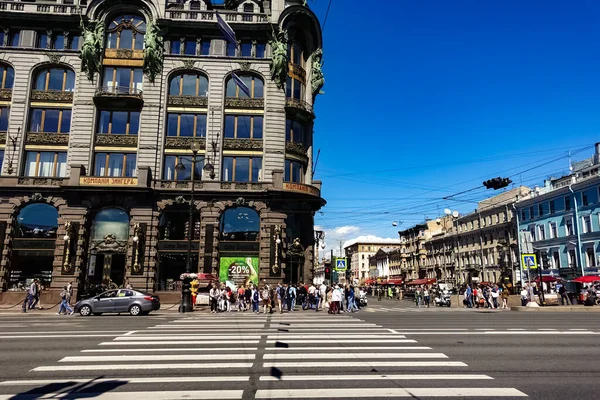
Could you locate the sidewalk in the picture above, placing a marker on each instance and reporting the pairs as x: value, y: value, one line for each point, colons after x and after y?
x: 577, y: 308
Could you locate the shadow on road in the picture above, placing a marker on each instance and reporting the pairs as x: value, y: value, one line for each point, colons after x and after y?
x: 70, y: 390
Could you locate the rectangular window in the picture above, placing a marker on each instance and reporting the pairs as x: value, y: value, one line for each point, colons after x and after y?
x: 242, y: 169
x: 555, y: 259
x: 590, y: 257
x: 13, y: 38
x: 123, y: 80
x: 188, y: 125
x: 294, y: 131
x: 4, y: 114
x: 542, y: 232
x: 543, y: 209
x: 261, y: 50
x: 172, y: 173
x: 532, y: 233
x: 572, y: 258
x: 294, y: 171
x: 119, y: 122
x: 231, y: 50
x: 569, y: 227
x: 587, y: 223
x: 41, y: 41
x: 552, y: 206
x: 524, y: 214
x: 1, y: 158
x: 46, y: 164
x: 531, y: 214
x: 50, y: 120
x: 115, y: 164
x: 553, y: 230
x: 567, y: 203
x: 244, y: 126
x: 175, y: 47
x: 205, y: 47
x: 74, y: 42
x: 58, y: 42
x: 584, y: 199
x: 246, y: 49
x: 190, y: 47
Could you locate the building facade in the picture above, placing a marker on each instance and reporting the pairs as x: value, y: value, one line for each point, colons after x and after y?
x: 359, y: 253
x: 413, y: 252
x: 125, y: 132
x: 561, y: 222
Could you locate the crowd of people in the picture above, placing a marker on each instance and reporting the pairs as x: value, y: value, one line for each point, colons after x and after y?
x: 336, y: 298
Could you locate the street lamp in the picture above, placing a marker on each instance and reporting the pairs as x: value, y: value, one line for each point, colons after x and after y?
x: 455, y: 215
x: 186, y: 303
x: 319, y: 239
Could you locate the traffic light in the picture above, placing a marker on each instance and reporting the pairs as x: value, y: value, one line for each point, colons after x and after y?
x: 327, y: 274
x: 497, y: 183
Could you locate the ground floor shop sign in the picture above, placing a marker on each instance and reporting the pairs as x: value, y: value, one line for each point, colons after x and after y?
x: 239, y: 270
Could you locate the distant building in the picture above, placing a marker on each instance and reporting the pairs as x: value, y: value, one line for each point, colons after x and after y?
x: 359, y: 254
x: 561, y: 221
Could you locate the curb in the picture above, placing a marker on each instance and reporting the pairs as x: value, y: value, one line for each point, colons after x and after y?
x: 555, y: 309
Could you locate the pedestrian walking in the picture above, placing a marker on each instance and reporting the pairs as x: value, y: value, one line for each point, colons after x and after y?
x: 213, y: 296
x: 351, y: 300
x: 265, y: 298
x: 34, y: 291
x: 64, y: 302
x: 291, y: 297
x: 279, y: 292
x: 564, y: 295
x: 70, y: 291
x: 426, y: 296
x: 255, y: 300
x: 505, y: 295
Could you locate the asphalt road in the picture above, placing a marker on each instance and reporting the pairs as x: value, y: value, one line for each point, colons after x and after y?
x: 392, y: 351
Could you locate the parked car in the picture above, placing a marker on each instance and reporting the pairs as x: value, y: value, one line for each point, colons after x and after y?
x: 118, y: 301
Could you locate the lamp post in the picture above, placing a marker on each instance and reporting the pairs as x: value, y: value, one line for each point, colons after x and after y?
x: 319, y: 239
x: 455, y: 216
x: 186, y: 303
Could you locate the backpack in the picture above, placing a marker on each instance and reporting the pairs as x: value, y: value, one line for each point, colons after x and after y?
x: 291, y: 292
x: 255, y: 297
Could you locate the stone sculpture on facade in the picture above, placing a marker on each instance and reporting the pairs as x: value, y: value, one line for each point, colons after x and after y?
x: 91, y: 50
x: 279, y: 62
x: 317, y: 80
x: 154, y: 51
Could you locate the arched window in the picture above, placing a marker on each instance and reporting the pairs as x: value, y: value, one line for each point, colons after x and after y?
x: 248, y: 8
x: 111, y: 221
x: 37, y: 220
x: 188, y: 84
x: 240, y: 224
x: 126, y: 32
x: 58, y: 79
x: 7, y: 76
x: 254, y: 84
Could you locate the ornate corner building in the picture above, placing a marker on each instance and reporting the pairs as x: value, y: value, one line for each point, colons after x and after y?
x: 115, y: 115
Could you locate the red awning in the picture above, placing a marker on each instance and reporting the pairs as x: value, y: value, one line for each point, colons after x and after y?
x: 369, y: 281
x: 422, y: 281
x: 547, y: 278
x: 395, y: 282
x: 587, y: 279
x: 206, y: 277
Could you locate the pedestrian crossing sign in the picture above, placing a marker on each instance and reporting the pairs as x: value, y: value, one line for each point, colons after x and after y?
x: 529, y: 261
x: 340, y: 264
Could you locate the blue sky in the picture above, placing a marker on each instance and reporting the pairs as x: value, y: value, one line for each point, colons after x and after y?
x: 426, y: 99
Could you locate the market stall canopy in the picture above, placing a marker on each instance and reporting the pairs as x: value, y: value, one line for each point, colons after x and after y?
x: 422, y: 281
x: 587, y: 279
x: 369, y: 282
x: 207, y: 277
x: 546, y: 278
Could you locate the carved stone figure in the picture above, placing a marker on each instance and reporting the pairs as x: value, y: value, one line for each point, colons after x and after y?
x: 279, y: 62
x: 154, y: 51
x: 93, y: 44
x: 317, y: 80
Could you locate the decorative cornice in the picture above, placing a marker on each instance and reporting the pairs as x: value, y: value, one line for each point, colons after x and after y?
x: 32, y: 181
x: 47, y: 138
x: 188, y: 101
x: 2, y: 138
x: 116, y: 140
x: 52, y: 95
x: 299, y: 104
x: 179, y: 142
x: 245, y: 65
x: 54, y: 58
x: 189, y: 64
x: 242, y: 144
x: 235, y: 102
x: 295, y: 148
x: 5, y: 94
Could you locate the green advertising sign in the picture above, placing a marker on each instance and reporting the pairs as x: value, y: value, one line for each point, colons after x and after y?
x: 239, y: 270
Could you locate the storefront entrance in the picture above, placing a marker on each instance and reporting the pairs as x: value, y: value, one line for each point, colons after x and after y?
x: 171, y: 266
x: 108, y: 269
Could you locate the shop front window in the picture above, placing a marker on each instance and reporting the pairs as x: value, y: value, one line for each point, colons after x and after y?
x: 37, y: 220
x: 240, y: 224
x: 111, y: 221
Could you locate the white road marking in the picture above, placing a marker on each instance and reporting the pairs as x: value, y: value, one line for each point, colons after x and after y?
x: 183, y: 379
x: 54, y: 336
x: 161, y: 342
x: 157, y: 357
x: 118, y: 367
x: 129, y: 333
x: 186, y: 349
x: 332, y: 336
x: 324, y: 364
x: 386, y: 393
x: 342, y: 341
x: 342, y: 356
x: 316, y: 378
x: 164, y: 395
x: 185, y: 336
x: 329, y: 348
x: 60, y: 332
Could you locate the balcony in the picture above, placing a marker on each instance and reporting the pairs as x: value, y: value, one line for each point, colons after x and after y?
x: 31, y: 8
x: 40, y: 181
x: 57, y: 139
x: 117, y: 97
x: 180, y: 142
x: 116, y: 140
x: 187, y: 101
x: 299, y: 105
x: 242, y: 144
x: 296, y: 149
x: 244, y: 102
x: 210, y: 16
x: 126, y: 54
x: 52, y: 95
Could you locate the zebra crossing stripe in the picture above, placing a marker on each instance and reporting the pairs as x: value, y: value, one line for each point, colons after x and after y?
x: 163, y: 342
x: 386, y: 393
x: 316, y: 378
x: 330, y: 341
x: 159, y: 379
x: 310, y: 364
x: 118, y: 367
x: 329, y: 348
x: 162, y: 395
x: 186, y: 349
x: 337, y: 356
x: 157, y: 357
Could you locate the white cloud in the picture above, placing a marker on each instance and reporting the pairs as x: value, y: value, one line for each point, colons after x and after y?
x: 340, y: 235
x: 346, y: 230
x: 371, y: 239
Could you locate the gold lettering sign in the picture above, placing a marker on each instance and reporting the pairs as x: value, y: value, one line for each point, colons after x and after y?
x: 298, y: 187
x: 110, y: 181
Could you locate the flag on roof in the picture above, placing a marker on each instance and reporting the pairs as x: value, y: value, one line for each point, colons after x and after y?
x: 226, y: 30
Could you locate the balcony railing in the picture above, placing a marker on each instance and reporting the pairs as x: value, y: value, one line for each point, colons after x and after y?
x: 118, y: 91
x: 188, y: 101
x: 5, y: 94
x: 47, y: 138
x: 27, y: 7
x: 116, y: 97
x: 40, y: 181
x: 203, y: 15
x: 298, y: 104
x: 52, y: 95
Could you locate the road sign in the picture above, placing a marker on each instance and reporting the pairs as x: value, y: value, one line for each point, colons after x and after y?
x: 340, y: 264
x: 529, y: 261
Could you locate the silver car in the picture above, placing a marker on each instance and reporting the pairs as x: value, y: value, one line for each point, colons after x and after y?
x: 118, y: 301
